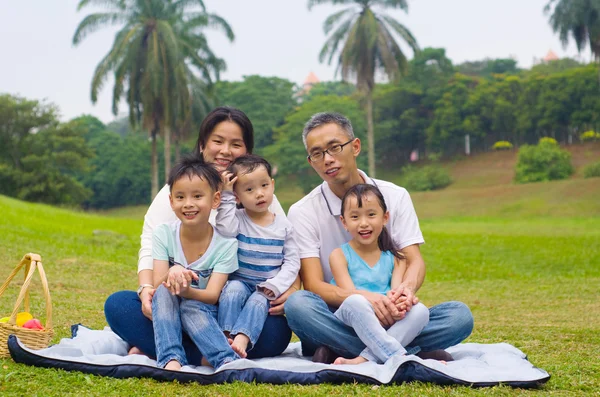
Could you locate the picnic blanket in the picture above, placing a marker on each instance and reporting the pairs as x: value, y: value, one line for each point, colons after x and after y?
x: 101, y: 352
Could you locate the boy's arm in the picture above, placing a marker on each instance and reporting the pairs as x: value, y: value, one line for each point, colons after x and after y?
x: 161, y: 270
x: 211, y: 293
x: 289, y: 268
x: 227, y: 222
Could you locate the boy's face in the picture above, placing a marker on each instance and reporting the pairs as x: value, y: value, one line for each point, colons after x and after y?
x: 192, y: 199
x: 255, y: 190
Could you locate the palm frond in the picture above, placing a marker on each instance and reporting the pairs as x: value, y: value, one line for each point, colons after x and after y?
x: 402, y: 31
x: 399, y: 4
x: 335, y: 18
x: 117, y: 4
x: 312, y: 3
x: 93, y: 22
x: 331, y: 45
x: 181, y: 5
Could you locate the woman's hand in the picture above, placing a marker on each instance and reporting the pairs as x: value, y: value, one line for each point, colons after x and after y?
x: 146, y: 298
x: 276, y: 308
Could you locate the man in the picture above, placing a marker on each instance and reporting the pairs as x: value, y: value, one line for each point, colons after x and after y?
x: 332, y: 151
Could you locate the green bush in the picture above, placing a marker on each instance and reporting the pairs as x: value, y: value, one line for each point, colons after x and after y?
x: 589, y: 136
x: 502, y: 145
x: 592, y: 170
x: 430, y: 177
x: 544, y: 162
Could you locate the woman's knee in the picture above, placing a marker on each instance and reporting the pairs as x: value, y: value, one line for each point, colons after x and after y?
x: 119, y: 304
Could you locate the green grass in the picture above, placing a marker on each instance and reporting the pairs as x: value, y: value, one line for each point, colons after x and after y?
x: 525, y: 258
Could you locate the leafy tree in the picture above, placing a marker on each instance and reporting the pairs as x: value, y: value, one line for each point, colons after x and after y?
x: 551, y: 67
x: 159, y: 54
x: 488, y: 67
x: 266, y: 101
x: 339, y: 88
x: 579, y: 19
x: 288, y: 152
x: 369, y: 46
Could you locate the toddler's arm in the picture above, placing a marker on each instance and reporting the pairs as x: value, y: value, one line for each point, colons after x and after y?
x: 211, y: 293
x: 227, y: 222
x: 339, y: 269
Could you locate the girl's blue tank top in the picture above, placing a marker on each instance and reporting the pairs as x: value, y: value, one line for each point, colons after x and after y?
x: 374, y: 279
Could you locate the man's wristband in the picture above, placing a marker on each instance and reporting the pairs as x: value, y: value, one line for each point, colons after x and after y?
x: 142, y: 286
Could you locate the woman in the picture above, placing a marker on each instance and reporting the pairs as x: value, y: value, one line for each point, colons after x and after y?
x: 225, y: 134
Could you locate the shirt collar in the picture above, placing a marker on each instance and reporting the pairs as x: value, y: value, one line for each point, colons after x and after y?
x: 333, y: 202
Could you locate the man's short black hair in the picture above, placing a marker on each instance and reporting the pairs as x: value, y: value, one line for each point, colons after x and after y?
x: 194, y: 165
x: 248, y: 163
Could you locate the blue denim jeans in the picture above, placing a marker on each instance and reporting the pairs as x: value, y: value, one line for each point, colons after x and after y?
x: 315, y: 324
x: 242, y: 310
x: 357, y: 312
x: 123, y: 311
x: 172, y: 314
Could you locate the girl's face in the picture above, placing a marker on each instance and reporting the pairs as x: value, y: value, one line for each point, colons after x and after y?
x: 364, y: 223
x: 224, y: 144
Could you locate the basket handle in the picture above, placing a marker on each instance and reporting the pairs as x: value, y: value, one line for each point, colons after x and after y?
x: 31, y: 262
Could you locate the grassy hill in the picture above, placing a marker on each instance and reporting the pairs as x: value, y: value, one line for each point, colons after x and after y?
x: 525, y: 258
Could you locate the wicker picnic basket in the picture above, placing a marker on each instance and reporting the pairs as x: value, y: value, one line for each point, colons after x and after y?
x: 33, y: 339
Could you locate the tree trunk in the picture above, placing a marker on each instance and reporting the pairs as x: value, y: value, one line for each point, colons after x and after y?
x: 370, y: 134
x: 154, y: 176
x: 167, y: 134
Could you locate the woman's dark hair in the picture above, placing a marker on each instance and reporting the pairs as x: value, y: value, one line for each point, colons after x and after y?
x: 225, y: 113
x: 248, y: 163
x: 384, y: 242
x: 194, y: 165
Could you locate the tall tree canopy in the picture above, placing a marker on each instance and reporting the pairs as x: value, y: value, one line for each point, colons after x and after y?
x: 368, y: 46
x: 160, y: 59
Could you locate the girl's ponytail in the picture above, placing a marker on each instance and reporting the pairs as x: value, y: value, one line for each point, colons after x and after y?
x: 386, y: 243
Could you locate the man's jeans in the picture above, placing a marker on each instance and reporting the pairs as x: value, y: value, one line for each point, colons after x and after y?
x: 123, y: 311
x: 357, y: 312
x: 315, y: 324
x: 172, y: 314
x: 242, y: 310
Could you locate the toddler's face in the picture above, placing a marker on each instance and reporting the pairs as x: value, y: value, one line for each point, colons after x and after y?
x: 255, y: 190
x: 192, y: 199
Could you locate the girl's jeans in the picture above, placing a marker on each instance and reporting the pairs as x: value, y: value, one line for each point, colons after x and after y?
x: 172, y: 314
x: 357, y: 312
x: 242, y: 310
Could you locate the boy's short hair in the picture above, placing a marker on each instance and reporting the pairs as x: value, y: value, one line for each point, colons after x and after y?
x: 248, y: 163
x: 194, y: 165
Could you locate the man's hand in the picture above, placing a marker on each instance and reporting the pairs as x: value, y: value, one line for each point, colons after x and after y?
x: 276, y: 308
x: 179, y: 278
x: 228, y: 180
x: 146, y: 298
x: 384, y: 308
x: 404, y: 298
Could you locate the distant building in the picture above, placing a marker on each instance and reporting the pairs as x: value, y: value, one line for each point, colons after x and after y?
x: 550, y: 56
x: 308, y: 84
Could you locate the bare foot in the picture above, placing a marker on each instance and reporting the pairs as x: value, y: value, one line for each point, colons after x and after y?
x: 135, y: 350
x: 239, y: 345
x: 173, y: 365
x: 347, y: 361
x: 205, y: 362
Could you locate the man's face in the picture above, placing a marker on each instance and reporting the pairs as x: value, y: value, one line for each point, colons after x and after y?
x: 337, y: 168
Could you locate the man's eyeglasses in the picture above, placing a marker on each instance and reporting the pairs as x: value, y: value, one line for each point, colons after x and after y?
x: 332, y: 151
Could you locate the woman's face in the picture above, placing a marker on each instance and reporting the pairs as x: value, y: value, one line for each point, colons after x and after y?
x: 224, y: 144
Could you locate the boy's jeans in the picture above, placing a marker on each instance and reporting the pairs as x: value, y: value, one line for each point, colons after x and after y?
x: 170, y: 313
x: 357, y: 312
x: 242, y: 310
x: 314, y: 323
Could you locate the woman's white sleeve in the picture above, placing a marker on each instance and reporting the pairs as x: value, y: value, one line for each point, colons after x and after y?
x: 158, y: 213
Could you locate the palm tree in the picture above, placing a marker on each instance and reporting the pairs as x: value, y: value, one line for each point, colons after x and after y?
x: 368, y: 46
x: 157, y: 56
x: 577, y: 18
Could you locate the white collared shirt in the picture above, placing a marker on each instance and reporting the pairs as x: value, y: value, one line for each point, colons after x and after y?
x: 319, y: 230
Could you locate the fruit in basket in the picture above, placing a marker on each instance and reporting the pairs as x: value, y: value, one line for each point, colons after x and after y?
x: 23, y: 317
x: 34, y: 323
x: 4, y: 319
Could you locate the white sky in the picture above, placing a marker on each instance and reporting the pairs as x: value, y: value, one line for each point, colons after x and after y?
x: 273, y: 38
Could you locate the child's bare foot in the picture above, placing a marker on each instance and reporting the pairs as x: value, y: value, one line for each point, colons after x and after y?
x: 348, y: 361
x: 205, y: 362
x: 240, y: 344
x: 134, y: 350
x: 173, y: 365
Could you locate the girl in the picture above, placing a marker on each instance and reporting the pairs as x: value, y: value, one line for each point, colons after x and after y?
x: 371, y: 262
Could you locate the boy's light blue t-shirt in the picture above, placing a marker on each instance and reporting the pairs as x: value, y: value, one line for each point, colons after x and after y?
x: 220, y: 256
